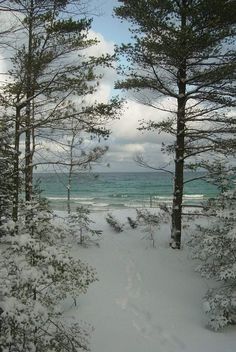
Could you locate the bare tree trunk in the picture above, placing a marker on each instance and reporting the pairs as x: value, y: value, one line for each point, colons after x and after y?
x: 28, y: 119
x: 28, y: 162
x: 180, y: 146
x: 179, y: 178
x: 68, y: 194
x: 16, y: 175
x: 70, y: 173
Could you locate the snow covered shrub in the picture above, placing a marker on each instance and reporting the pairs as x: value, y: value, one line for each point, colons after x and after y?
x: 114, y: 223
x: 219, y: 173
x: 133, y: 223
x: 215, y: 247
x: 79, y: 224
x: 6, y: 174
x: 165, y: 213
x: 36, y: 274
x: 150, y: 222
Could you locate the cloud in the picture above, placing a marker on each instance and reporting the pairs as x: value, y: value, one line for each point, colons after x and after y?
x: 102, y: 47
x: 108, y: 74
x: 126, y: 140
x: 122, y: 157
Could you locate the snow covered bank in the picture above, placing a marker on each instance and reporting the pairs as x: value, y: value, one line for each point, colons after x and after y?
x: 147, y: 299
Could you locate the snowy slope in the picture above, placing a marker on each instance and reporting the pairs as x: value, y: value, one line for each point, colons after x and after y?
x: 147, y: 299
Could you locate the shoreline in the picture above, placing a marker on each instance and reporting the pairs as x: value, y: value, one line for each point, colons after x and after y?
x: 112, y: 208
x: 105, y: 204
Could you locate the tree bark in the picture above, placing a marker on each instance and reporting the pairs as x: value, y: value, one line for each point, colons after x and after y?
x: 70, y: 173
x: 28, y: 118
x: 176, y: 229
x: 16, y: 175
x: 179, y: 177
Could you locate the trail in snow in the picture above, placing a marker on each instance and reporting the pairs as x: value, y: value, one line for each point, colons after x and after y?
x: 142, y: 318
x: 146, y: 300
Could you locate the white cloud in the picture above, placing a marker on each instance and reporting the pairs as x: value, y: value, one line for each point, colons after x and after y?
x: 106, y: 83
x: 126, y: 140
x: 102, y: 94
x: 102, y: 47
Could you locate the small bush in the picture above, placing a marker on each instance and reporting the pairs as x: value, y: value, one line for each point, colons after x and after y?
x: 133, y: 224
x: 214, y: 246
x: 114, y: 223
x: 80, y: 227
x: 37, y: 274
x: 150, y: 222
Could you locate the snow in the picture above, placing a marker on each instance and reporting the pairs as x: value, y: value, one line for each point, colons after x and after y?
x: 147, y: 299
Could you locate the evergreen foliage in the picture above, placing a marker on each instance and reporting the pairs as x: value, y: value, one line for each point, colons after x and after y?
x: 133, y: 223
x: 79, y: 224
x: 114, y: 223
x: 50, y: 77
x: 6, y: 174
x: 150, y: 222
x: 37, y: 273
x: 219, y: 172
x: 183, y: 52
x: 214, y: 246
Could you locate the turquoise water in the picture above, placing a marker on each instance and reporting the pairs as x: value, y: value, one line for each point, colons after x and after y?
x: 120, y: 190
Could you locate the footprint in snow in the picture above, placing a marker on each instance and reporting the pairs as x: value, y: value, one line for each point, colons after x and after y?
x: 152, y: 331
x: 142, y: 319
x: 133, y: 288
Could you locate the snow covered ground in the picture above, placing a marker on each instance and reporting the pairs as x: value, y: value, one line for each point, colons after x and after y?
x: 147, y: 299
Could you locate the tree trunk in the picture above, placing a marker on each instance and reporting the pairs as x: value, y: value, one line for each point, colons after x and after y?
x: 179, y: 178
x: 180, y: 144
x: 68, y: 195
x: 70, y: 172
x: 28, y: 161
x: 16, y: 175
x: 28, y: 119
x: 69, y: 183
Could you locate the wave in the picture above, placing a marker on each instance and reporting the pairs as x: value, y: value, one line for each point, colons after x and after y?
x: 85, y: 202
x: 134, y: 205
x: 119, y: 195
x: 72, y: 198
x: 101, y: 205
x: 194, y: 196
x: 121, y: 202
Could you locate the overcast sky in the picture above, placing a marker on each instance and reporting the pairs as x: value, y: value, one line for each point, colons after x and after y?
x: 125, y: 141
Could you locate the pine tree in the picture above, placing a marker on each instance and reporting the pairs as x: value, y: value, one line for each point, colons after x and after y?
x: 114, y: 223
x: 37, y: 274
x: 6, y: 176
x: 183, y: 50
x: 150, y: 222
x: 49, y: 79
x: 80, y: 227
x: 214, y: 247
x: 219, y: 172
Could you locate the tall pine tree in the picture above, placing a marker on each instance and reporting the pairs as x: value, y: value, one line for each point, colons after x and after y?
x: 183, y: 50
x: 50, y: 76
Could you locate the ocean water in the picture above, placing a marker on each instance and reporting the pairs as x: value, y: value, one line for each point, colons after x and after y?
x: 120, y: 190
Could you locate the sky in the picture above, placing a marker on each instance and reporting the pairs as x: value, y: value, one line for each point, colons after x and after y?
x: 126, y: 140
